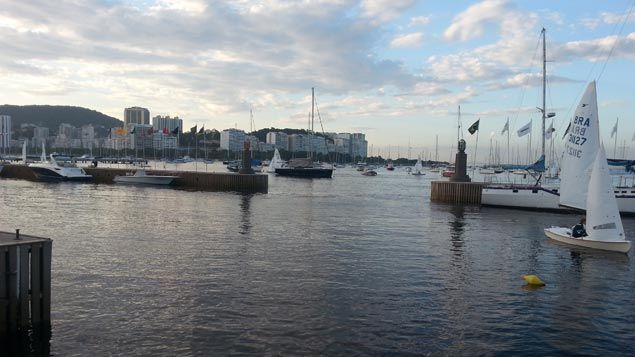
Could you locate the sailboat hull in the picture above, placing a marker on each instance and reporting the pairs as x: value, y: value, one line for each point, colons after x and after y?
x: 563, y: 235
x: 305, y: 172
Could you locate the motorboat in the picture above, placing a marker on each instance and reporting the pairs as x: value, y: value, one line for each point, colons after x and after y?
x: 418, y: 168
x: 390, y: 166
x: 369, y: 172
x: 142, y: 178
x: 54, y: 170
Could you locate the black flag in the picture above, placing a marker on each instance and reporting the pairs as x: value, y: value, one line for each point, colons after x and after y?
x: 175, y: 131
x: 202, y: 129
x: 193, y: 129
x: 474, y: 127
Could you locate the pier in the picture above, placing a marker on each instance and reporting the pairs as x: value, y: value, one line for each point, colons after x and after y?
x: 25, y: 283
x: 456, y: 192
x: 207, y: 181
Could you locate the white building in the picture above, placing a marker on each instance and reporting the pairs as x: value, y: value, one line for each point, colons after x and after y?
x: 166, y: 124
x: 40, y: 135
x: 5, y: 132
x: 298, y: 143
x: 87, y: 136
x: 278, y: 139
x: 141, y: 136
x: 135, y: 115
x: 232, y: 139
x: 359, y: 145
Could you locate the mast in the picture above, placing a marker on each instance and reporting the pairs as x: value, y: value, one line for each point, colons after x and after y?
x: 544, y: 89
x: 312, y: 118
x: 436, y: 151
x: 458, y: 126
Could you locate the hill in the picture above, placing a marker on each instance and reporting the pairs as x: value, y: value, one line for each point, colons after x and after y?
x: 51, y: 116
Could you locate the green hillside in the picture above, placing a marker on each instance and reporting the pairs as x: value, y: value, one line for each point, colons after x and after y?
x: 51, y: 116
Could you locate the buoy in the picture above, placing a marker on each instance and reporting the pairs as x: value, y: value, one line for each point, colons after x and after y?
x: 533, y: 280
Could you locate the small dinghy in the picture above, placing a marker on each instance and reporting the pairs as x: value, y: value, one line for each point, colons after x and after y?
x: 604, y: 225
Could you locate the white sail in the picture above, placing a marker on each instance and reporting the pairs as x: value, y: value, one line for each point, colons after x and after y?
x: 275, y: 163
x: 602, y: 215
x: 24, y: 152
x: 418, y: 166
x: 581, y: 146
x: 43, y: 157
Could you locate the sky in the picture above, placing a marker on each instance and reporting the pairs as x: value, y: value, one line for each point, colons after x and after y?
x: 396, y: 70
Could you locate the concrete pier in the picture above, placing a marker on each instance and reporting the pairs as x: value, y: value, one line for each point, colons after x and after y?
x: 25, y: 283
x: 208, y: 181
x: 456, y: 192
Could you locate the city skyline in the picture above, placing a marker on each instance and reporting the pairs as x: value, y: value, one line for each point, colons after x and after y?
x: 395, y: 70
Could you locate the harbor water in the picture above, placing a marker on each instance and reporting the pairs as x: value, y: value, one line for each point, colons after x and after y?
x: 342, y: 266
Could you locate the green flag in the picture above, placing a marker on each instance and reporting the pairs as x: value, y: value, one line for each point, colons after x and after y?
x: 474, y: 127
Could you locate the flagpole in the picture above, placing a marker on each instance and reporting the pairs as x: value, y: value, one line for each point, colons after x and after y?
x: 508, y: 151
x: 475, y: 149
x: 615, y: 145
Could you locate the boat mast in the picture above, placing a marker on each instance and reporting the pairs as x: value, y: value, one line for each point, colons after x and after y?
x: 544, y: 89
x: 312, y: 117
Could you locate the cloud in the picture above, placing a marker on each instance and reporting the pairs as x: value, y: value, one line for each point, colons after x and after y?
x: 464, y: 68
x: 211, y: 57
x: 383, y: 11
x: 597, y: 49
x: 410, y: 40
x: 614, y: 18
x: 471, y: 23
x: 529, y: 80
x: 419, y: 21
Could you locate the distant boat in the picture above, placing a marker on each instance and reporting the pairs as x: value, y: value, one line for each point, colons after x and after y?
x: 448, y: 172
x: 141, y: 177
x: 418, y: 168
x: 305, y: 167
x: 605, y: 230
x: 369, y: 172
x: 390, y: 166
x: 275, y: 163
x: 58, y: 171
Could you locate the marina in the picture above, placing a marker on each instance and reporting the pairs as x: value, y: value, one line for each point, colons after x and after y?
x: 317, y: 257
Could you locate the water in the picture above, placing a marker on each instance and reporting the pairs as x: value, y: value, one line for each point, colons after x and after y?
x: 351, y: 265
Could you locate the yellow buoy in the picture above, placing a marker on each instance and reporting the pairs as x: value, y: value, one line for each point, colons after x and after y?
x: 533, y: 280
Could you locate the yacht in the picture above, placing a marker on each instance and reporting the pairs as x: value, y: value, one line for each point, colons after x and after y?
x: 140, y: 177
x: 54, y: 170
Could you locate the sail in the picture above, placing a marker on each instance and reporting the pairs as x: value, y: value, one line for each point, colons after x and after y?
x: 275, y: 163
x: 538, y: 166
x: 24, y: 152
x: 581, y: 147
x: 418, y: 166
x: 603, y: 217
x: 43, y: 156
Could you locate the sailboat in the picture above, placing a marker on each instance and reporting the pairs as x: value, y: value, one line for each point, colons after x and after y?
x: 418, y: 169
x: 306, y: 167
x: 605, y: 230
x: 275, y: 163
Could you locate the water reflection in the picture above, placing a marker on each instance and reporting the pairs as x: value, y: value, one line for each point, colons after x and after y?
x: 457, y: 229
x: 33, y: 342
x: 245, y: 213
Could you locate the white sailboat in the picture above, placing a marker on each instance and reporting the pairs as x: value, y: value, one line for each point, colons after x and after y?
x: 275, y: 163
x: 604, y: 225
x: 418, y: 168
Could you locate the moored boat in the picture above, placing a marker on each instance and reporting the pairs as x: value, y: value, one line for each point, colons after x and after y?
x: 142, y: 178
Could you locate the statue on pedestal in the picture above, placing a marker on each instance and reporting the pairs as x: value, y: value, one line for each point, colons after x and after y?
x: 460, y: 165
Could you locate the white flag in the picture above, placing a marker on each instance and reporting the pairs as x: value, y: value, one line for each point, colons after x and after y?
x: 614, y: 129
x: 524, y: 130
x: 506, y: 127
x: 633, y: 137
x: 549, y: 131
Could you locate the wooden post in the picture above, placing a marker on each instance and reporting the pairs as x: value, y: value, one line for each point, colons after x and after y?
x: 23, y: 292
x: 47, y: 248
x: 36, y: 284
x: 13, y: 288
x: 4, y: 301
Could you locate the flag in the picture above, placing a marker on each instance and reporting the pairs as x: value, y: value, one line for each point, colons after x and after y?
x: 150, y: 131
x: 110, y: 133
x: 614, y: 129
x: 175, y: 131
x: 133, y: 130
x: 567, y: 131
x: 193, y: 129
x: 474, y: 127
x: 166, y: 131
x: 549, y: 131
x: 524, y: 130
x: 506, y: 127
x: 633, y: 137
x: 202, y: 129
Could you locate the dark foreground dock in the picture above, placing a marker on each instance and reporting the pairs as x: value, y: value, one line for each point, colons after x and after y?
x: 208, y: 181
x: 25, y: 283
x: 456, y: 192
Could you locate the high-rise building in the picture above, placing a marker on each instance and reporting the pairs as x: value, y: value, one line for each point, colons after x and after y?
x: 278, y: 139
x: 297, y: 142
x: 5, y: 131
x: 136, y: 115
x: 166, y: 124
x: 232, y: 139
x: 40, y: 135
x: 359, y: 145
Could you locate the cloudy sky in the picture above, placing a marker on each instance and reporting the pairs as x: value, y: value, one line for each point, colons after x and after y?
x: 393, y: 69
